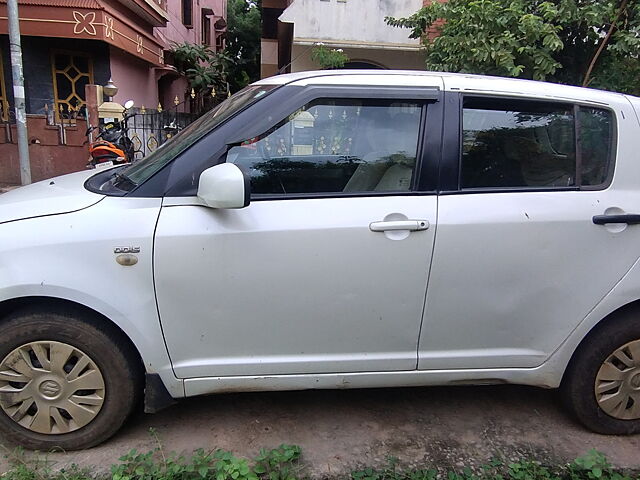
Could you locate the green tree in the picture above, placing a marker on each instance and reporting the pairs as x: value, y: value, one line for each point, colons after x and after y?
x: 329, y: 58
x: 204, y: 68
x: 581, y: 42
x: 244, y: 28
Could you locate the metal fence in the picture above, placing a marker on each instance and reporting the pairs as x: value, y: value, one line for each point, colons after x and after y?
x: 150, y: 128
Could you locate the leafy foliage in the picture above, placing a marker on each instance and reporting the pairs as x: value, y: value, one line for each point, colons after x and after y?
x: 278, y: 464
x: 329, y: 58
x: 243, y: 42
x: 554, y: 40
x: 204, y: 68
x: 283, y: 463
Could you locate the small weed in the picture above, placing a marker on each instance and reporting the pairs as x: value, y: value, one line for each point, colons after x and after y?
x: 23, y: 467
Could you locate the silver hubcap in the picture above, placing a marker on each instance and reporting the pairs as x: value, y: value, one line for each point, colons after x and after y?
x: 618, y: 383
x: 50, y: 387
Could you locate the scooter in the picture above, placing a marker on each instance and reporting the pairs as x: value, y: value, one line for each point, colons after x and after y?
x: 112, y: 145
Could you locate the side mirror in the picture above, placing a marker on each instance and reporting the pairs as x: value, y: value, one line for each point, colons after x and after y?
x: 224, y: 186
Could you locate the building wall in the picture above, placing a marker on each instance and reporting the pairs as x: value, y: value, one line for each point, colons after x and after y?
x: 36, y: 62
x: 388, y: 59
x: 356, y: 26
x: 177, y: 32
x: 49, y: 157
x: 134, y: 79
x: 351, y: 21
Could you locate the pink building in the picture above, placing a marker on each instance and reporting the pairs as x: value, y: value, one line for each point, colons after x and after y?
x: 67, y: 44
x: 193, y: 21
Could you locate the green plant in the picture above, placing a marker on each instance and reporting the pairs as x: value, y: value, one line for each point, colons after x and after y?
x: 244, y: 28
x: 591, y: 43
x: 204, y: 68
x: 283, y: 463
x: 593, y: 466
x: 529, y: 470
x: 22, y: 467
x: 279, y: 463
x: 329, y: 58
x: 391, y: 472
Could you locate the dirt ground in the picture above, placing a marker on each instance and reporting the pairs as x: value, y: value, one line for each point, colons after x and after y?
x: 341, y: 430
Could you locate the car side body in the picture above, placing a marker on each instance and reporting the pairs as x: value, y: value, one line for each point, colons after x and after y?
x: 500, y: 283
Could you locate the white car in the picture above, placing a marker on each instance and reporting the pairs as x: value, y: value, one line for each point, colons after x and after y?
x: 339, y: 229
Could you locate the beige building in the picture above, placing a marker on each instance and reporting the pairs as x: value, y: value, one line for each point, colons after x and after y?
x: 291, y: 29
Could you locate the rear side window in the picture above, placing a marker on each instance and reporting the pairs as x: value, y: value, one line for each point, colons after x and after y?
x: 518, y: 144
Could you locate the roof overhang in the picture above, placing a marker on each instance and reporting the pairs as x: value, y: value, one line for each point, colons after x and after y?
x: 85, y: 19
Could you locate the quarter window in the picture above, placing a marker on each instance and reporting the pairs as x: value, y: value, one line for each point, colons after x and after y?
x: 596, y: 142
x: 512, y: 143
x: 330, y: 146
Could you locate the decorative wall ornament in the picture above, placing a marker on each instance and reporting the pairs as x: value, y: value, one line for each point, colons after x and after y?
x: 108, y: 28
x: 84, y: 22
x: 139, y: 47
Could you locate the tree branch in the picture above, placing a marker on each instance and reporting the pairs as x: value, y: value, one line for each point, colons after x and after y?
x: 605, y: 40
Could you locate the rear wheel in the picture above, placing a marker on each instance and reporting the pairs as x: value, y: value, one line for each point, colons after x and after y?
x: 63, y: 382
x: 602, y: 384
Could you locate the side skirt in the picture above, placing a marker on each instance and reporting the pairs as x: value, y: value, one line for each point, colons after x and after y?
x: 538, y: 377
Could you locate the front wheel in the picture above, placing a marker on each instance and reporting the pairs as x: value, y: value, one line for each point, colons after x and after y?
x: 64, y: 383
x: 602, y: 383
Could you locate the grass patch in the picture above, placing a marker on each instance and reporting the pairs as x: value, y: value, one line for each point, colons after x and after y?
x: 284, y: 463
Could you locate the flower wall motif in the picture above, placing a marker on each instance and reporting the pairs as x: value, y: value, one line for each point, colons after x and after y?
x: 84, y: 22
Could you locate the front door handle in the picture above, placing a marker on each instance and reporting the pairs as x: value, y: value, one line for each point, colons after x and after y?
x: 411, y: 225
x: 628, y: 218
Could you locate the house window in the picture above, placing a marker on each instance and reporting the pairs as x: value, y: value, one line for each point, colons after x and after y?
x: 71, y: 73
x: 220, y: 42
x: 206, y: 29
x: 187, y: 13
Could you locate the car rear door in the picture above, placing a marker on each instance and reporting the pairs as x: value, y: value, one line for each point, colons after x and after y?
x: 523, y: 252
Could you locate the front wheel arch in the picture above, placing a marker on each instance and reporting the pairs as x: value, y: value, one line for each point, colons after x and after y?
x: 89, y: 315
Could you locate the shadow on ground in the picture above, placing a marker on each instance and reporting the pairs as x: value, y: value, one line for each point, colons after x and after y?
x: 343, y: 429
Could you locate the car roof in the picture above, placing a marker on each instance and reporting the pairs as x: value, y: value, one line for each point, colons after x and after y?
x: 481, y: 84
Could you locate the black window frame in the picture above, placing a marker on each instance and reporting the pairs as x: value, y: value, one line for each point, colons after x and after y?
x: 172, y: 180
x: 421, y: 104
x: 451, y: 168
x: 187, y: 13
x: 422, y: 181
x: 205, y: 29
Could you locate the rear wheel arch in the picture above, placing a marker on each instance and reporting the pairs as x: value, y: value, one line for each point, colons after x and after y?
x: 600, y: 383
x: 621, y: 314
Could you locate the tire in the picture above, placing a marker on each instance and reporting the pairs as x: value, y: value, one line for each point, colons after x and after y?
x: 41, y: 355
x: 601, y: 386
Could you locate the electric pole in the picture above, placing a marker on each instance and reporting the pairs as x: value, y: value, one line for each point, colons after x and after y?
x: 18, y: 91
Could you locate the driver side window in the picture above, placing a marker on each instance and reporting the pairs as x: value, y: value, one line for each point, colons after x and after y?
x: 335, y: 146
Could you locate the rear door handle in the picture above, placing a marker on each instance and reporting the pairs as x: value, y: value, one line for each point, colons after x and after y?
x: 411, y: 225
x: 628, y: 218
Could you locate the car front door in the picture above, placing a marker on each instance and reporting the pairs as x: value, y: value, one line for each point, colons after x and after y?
x: 326, y: 270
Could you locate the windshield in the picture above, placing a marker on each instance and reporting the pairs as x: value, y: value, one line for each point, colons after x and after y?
x: 138, y: 172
